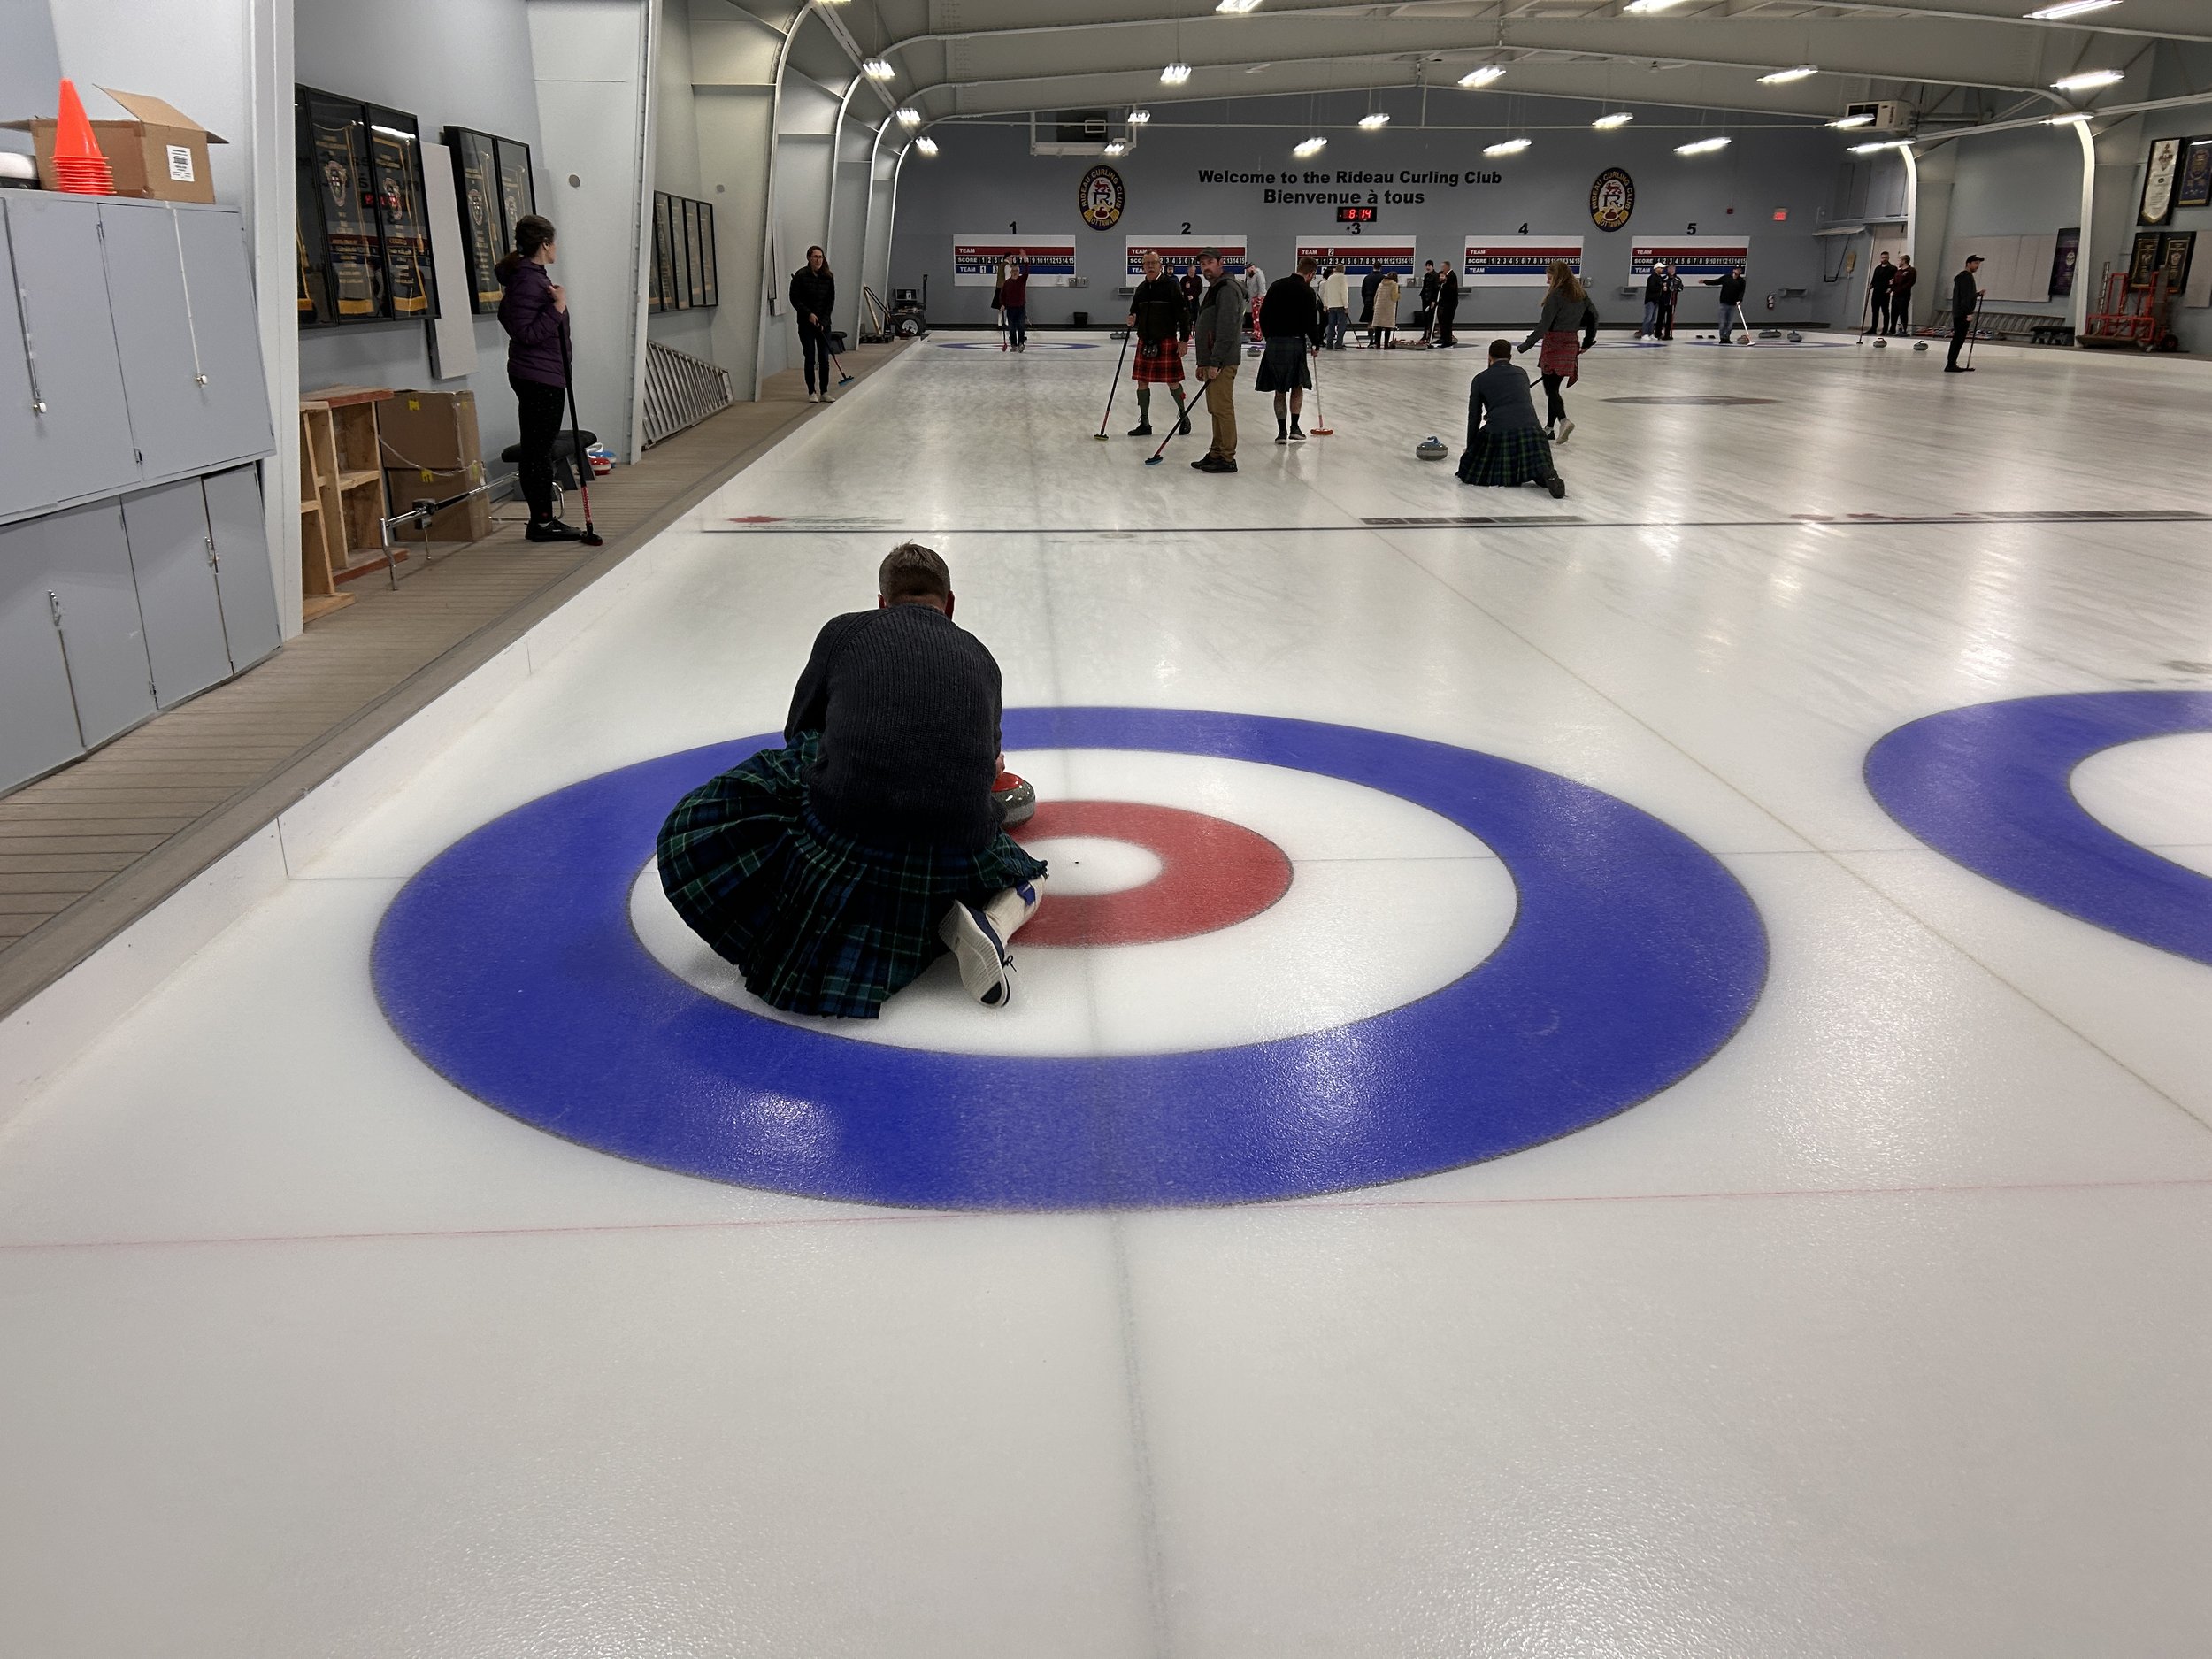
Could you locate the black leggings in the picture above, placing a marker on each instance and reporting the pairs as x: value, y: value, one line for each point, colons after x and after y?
x: 1554, y: 406
x: 540, y: 406
x: 814, y: 345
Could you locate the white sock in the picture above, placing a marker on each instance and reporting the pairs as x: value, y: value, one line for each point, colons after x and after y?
x: 1011, y: 907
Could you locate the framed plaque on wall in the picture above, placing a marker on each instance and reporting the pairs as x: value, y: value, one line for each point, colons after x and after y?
x: 487, y: 233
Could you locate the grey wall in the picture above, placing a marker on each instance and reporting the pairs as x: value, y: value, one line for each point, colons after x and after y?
x: 30, y: 68
x: 676, y: 168
x: 2022, y: 183
x: 985, y: 176
x: 467, y: 62
x: 2194, y: 325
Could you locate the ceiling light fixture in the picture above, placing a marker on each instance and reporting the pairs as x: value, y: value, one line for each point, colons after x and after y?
x: 1783, y: 77
x: 1650, y: 6
x: 927, y: 146
x: 1845, y: 123
x: 1702, y: 147
x: 1311, y: 147
x: 1116, y: 147
x: 1887, y: 143
x: 1138, y: 117
x: 1237, y: 8
x: 1374, y: 121
x: 2068, y: 8
x: 1483, y: 76
x: 1510, y: 146
x: 876, y: 69
x: 909, y: 116
x: 2072, y: 117
x: 2089, y: 80
x: 1607, y: 123
x: 1175, y: 74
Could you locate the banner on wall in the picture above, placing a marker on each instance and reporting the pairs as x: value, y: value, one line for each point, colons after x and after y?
x: 976, y: 259
x: 1181, y: 252
x: 1357, y: 256
x: 1516, y: 261
x: 1690, y: 256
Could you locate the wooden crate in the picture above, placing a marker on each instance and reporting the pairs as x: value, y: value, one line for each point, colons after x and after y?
x: 356, y: 534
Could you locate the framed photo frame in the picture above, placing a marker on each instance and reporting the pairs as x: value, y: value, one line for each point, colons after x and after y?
x: 343, y: 276
x: 2146, y: 260
x: 411, y: 289
x: 710, y: 290
x: 664, y: 248
x: 2161, y: 169
x: 654, y: 291
x: 2176, y: 253
x: 485, y: 234
x: 2194, y: 189
x: 691, y: 253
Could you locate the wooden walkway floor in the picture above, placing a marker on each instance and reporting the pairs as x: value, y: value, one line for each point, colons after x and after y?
x: 87, y: 851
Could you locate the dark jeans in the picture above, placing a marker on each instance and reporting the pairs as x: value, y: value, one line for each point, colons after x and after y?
x: 1018, y: 325
x: 540, y: 406
x: 814, y: 347
x: 1554, y: 405
x: 1879, y: 321
x: 1444, y: 315
x: 1961, y: 328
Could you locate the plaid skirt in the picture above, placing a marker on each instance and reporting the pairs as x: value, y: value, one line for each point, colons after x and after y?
x: 819, y: 923
x: 1506, y: 458
x: 1159, y: 362
x: 1561, y: 354
x: 1282, y: 367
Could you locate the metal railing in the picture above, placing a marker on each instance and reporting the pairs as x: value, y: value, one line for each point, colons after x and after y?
x: 680, y: 391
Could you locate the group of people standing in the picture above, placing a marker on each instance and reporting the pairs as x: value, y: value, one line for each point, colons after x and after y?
x: 1889, y: 295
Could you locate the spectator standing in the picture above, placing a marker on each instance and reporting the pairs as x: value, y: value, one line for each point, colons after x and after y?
x: 1673, y: 296
x: 1368, y: 284
x: 1966, y: 295
x: 1654, y: 301
x: 1446, y: 305
x: 1336, y: 296
x: 1901, y: 296
x: 1217, y: 339
x: 1194, y: 288
x: 533, y: 310
x: 1426, y: 315
x: 1290, y: 326
x: 1879, y: 283
x: 1385, y: 329
x: 1567, y: 327
x: 813, y: 302
x: 1254, y: 282
x: 1731, y: 292
x: 1161, y: 322
x: 1014, y: 289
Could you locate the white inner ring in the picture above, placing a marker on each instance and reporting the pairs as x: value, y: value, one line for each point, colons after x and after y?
x: 1088, y: 866
x: 2156, y: 791
x: 1387, y: 903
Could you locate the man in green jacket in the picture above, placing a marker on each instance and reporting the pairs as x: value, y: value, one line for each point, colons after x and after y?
x: 1218, y: 339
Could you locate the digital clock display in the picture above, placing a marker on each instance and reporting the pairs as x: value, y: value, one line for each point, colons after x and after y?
x: 1356, y: 216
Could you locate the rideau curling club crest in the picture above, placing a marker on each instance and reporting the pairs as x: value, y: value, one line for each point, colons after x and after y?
x: 1612, y: 199
x: 1102, y: 196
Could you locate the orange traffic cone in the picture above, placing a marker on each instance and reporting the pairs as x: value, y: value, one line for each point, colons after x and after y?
x: 77, y: 163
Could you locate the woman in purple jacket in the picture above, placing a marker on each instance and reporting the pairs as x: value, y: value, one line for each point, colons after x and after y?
x: 533, y: 310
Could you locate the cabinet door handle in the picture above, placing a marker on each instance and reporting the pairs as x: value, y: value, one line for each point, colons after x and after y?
x: 23, y: 320
x: 184, y: 281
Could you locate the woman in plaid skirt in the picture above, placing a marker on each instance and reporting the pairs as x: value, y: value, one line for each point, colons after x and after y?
x: 1568, y: 328
x: 1504, y: 444
x: 1161, y: 322
x: 834, y: 869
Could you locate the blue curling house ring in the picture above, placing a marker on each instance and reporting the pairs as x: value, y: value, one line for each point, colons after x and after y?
x: 507, y: 963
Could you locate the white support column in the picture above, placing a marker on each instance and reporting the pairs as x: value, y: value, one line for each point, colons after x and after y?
x: 2078, y: 313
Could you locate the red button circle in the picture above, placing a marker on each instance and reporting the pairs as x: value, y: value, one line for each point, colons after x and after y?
x: 1213, y: 874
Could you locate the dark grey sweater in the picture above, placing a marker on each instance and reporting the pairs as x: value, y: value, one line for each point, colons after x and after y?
x: 908, y: 706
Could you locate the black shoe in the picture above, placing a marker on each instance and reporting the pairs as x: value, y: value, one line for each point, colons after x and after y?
x: 1143, y: 429
x: 1182, y: 427
x: 1282, y: 434
x: 1205, y: 464
x: 551, y: 530
x: 1952, y: 368
x: 1215, y: 464
x: 1557, y: 485
x: 1297, y: 436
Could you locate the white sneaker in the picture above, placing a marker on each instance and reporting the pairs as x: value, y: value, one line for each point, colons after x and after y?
x: 985, y: 967
x: 814, y: 397
x: 1566, y: 431
x: 828, y: 398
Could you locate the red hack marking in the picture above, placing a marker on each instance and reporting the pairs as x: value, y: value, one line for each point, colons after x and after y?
x: 1213, y: 874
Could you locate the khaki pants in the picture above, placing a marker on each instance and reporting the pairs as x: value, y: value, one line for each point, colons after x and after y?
x: 1221, y: 404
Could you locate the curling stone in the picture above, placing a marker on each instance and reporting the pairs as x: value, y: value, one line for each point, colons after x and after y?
x: 1919, y: 345
x: 1431, y: 449
x: 1016, y: 795
x: 1796, y: 338
x: 1879, y: 341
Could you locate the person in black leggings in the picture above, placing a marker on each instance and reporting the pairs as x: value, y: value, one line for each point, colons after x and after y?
x: 533, y: 310
x: 814, y: 300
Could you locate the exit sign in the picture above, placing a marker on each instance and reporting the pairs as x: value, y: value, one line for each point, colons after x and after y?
x: 1781, y: 213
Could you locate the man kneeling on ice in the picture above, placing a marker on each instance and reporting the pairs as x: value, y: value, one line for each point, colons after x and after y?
x: 835, y: 870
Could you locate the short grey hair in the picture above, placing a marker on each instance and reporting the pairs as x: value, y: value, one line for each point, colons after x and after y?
x: 910, y: 570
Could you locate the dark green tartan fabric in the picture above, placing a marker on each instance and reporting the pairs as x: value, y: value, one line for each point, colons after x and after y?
x: 819, y: 923
x: 1506, y: 458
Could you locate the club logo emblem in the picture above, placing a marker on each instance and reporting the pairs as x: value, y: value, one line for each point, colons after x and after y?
x: 1102, y: 196
x: 1612, y: 199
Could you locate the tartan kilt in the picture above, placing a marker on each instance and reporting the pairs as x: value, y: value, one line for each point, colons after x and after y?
x: 1283, y: 366
x: 1506, y: 458
x: 1561, y: 354
x: 817, y: 922
x: 1159, y: 362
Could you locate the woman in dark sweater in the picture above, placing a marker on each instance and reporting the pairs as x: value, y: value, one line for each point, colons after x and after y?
x: 533, y: 310
x: 834, y: 869
x: 814, y: 300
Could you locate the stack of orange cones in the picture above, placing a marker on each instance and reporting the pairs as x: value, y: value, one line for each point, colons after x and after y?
x: 78, y: 164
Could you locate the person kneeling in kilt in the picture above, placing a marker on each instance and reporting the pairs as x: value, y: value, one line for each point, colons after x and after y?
x: 834, y: 869
x: 1160, y: 316
x: 1505, y: 443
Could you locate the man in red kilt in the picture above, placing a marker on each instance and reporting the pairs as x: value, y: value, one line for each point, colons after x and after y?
x: 1161, y: 319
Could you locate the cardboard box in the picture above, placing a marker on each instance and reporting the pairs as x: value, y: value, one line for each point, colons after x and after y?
x: 432, y: 429
x: 469, y: 522
x: 162, y: 153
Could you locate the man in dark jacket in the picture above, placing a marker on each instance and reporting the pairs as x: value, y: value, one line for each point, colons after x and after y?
x: 1878, y: 283
x: 1428, y: 297
x: 1654, y: 303
x: 1966, y: 294
x: 1505, y: 443
x: 1447, y: 303
x: 1291, y: 324
x: 1367, y: 286
x: 1219, y: 340
x: 1901, y: 296
x: 1161, y: 322
x: 1731, y: 292
x: 814, y: 300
